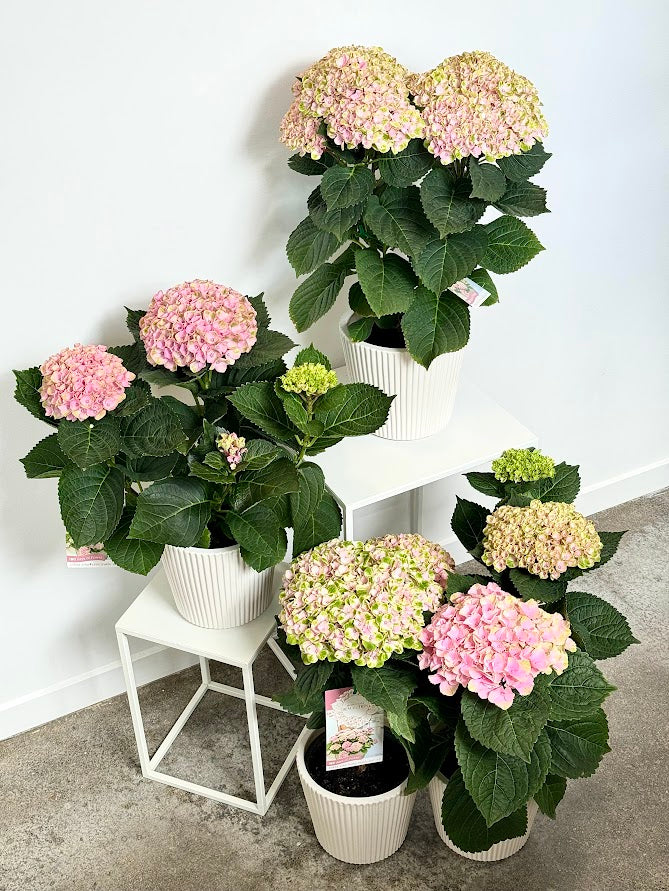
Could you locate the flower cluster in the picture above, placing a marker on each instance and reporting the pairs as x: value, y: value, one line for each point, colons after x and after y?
x: 493, y: 644
x: 544, y: 538
x: 426, y: 553
x: 311, y: 379
x: 198, y: 324
x: 83, y: 382
x: 523, y: 466
x: 233, y: 447
x: 473, y: 104
x: 356, y: 602
x: 360, y: 96
x: 351, y: 742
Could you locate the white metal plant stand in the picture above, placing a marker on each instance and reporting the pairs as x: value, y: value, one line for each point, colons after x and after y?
x: 154, y: 617
x: 363, y: 470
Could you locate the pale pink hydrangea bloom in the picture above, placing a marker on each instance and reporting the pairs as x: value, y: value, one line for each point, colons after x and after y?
x: 426, y: 553
x: 233, y: 447
x: 356, y: 602
x: 361, y: 96
x: 545, y: 538
x: 493, y: 644
x: 473, y: 104
x: 198, y: 324
x: 83, y: 382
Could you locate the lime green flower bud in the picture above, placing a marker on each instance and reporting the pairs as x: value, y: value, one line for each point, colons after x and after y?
x: 523, y: 466
x: 310, y: 379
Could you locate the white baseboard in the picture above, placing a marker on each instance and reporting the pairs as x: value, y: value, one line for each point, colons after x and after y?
x: 72, y: 694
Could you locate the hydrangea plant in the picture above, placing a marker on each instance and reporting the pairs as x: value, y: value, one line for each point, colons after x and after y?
x: 514, y: 656
x: 408, y: 165
x: 138, y: 471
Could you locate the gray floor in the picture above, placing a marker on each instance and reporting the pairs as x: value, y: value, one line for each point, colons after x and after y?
x: 76, y: 814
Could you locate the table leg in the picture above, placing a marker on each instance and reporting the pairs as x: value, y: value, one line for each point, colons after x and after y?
x: 416, y: 510
x: 204, y: 670
x: 254, y: 738
x: 133, y: 701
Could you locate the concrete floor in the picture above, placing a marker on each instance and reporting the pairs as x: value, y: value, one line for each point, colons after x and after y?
x: 76, y: 814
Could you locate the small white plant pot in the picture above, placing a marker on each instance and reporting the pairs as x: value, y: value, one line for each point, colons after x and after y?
x: 355, y: 830
x: 214, y: 588
x: 499, y: 851
x: 424, y: 397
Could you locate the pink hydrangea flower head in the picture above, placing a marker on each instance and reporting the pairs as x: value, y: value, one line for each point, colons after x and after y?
x: 233, y: 447
x: 545, y: 538
x: 493, y: 644
x: 356, y: 602
x: 83, y: 382
x: 426, y: 553
x: 473, y: 104
x: 196, y: 325
x: 359, y: 96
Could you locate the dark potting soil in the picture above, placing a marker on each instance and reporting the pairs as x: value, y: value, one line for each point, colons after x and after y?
x: 363, y: 781
x: 387, y: 337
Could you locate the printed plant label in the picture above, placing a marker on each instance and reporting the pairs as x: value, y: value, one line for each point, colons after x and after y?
x: 353, y: 730
x: 84, y: 558
x: 470, y: 292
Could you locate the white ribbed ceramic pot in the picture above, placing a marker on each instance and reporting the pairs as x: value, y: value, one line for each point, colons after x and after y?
x: 499, y: 851
x: 424, y: 397
x: 214, y: 588
x: 355, y: 830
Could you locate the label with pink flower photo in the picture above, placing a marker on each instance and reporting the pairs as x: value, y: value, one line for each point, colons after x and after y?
x: 353, y: 730
x: 470, y: 292
x: 84, y: 558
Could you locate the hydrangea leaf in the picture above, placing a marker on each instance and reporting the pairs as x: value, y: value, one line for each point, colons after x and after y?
x: 46, y: 459
x: 352, y: 410
x: 322, y: 523
x: 360, y: 329
x: 309, y: 166
x: 531, y: 587
x: 148, y: 469
x: 564, y: 485
x: 277, y: 478
x: 259, y: 403
x: 466, y: 827
x: 132, y: 554
x: 433, y: 325
x: 447, y: 202
x: 317, y: 294
x: 156, y: 430
x: 551, y: 794
x: 488, y: 181
x: 444, y: 262
x: 310, y: 355
x: 346, y: 186
x: 388, y: 282
x: 522, y: 166
x: 358, y: 302
x: 486, y: 483
x: 407, y: 166
x: 596, y: 626
x: 309, y: 246
x: 513, y: 731
x: 579, y: 690
x: 90, y: 442
x: 260, y: 535
x: 469, y: 521
x: 91, y: 502
x: 483, y: 278
x: 578, y: 745
x: 511, y: 245
x: 389, y: 686
x: 397, y: 219
x: 338, y: 221
x: 269, y: 346
x: 172, y: 511
x: 311, y: 486
x: 26, y: 393
x: 523, y: 200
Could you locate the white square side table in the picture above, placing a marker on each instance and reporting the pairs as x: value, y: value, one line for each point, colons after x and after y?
x: 154, y: 617
x: 363, y: 470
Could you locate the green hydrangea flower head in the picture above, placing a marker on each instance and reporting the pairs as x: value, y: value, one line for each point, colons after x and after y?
x: 523, y: 466
x: 311, y: 379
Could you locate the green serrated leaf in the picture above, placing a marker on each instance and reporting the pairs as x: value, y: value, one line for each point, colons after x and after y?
x: 513, y: 731
x: 596, y: 626
x: 277, y: 478
x: 346, y: 186
x: 132, y: 320
x: 564, y: 485
x: 317, y: 294
x: 444, y: 262
x: 531, y: 587
x: 360, y: 329
x: 500, y: 783
x: 407, y: 166
x: 337, y: 221
x: 358, y: 302
x: 551, y: 794
x: 579, y: 690
x: 511, y: 245
x: 311, y: 355
x: 262, y: 313
x: 156, y: 430
x: 259, y: 403
x: 148, y: 469
x: 464, y: 824
x: 486, y: 483
x: 91, y: 502
x: 459, y: 584
x: 269, y: 346
x: 172, y: 511
x: 309, y: 166
x: 488, y: 181
x: 387, y: 282
x: 46, y: 459
x: 434, y: 325
x: 523, y: 200
x: 389, y: 686
x: 26, y: 393
x: 133, y: 356
x: 260, y: 536
x: 309, y: 246
x: 482, y: 277
x: 447, y: 202
x: 397, y: 219
x: 469, y: 521
x: 90, y: 442
x: 578, y: 745
x: 521, y: 167
x: 132, y: 554
x: 352, y: 410
x: 314, y: 526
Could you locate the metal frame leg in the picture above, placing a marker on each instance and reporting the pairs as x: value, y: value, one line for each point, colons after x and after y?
x: 254, y: 737
x: 133, y: 702
x: 416, y: 509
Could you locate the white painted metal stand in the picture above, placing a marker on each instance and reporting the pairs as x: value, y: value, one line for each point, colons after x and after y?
x: 154, y: 617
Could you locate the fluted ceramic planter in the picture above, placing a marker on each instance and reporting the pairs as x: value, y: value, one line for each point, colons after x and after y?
x: 355, y: 830
x: 214, y: 588
x: 424, y: 397
x: 499, y: 851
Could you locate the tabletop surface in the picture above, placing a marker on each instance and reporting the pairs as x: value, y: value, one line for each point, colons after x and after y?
x: 362, y: 470
x: 153, y: 616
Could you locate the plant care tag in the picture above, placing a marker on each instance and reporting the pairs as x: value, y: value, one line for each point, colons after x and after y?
x: 353, y: 730
x: 84, y: 558
x: 470, y: 292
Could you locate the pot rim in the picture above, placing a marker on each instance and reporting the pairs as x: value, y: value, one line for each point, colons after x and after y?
x: 343, y: 325
x: 212, y: 551
x: 355, y: 801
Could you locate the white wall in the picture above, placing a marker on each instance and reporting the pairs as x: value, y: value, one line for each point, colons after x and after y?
x: 140, y: 149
